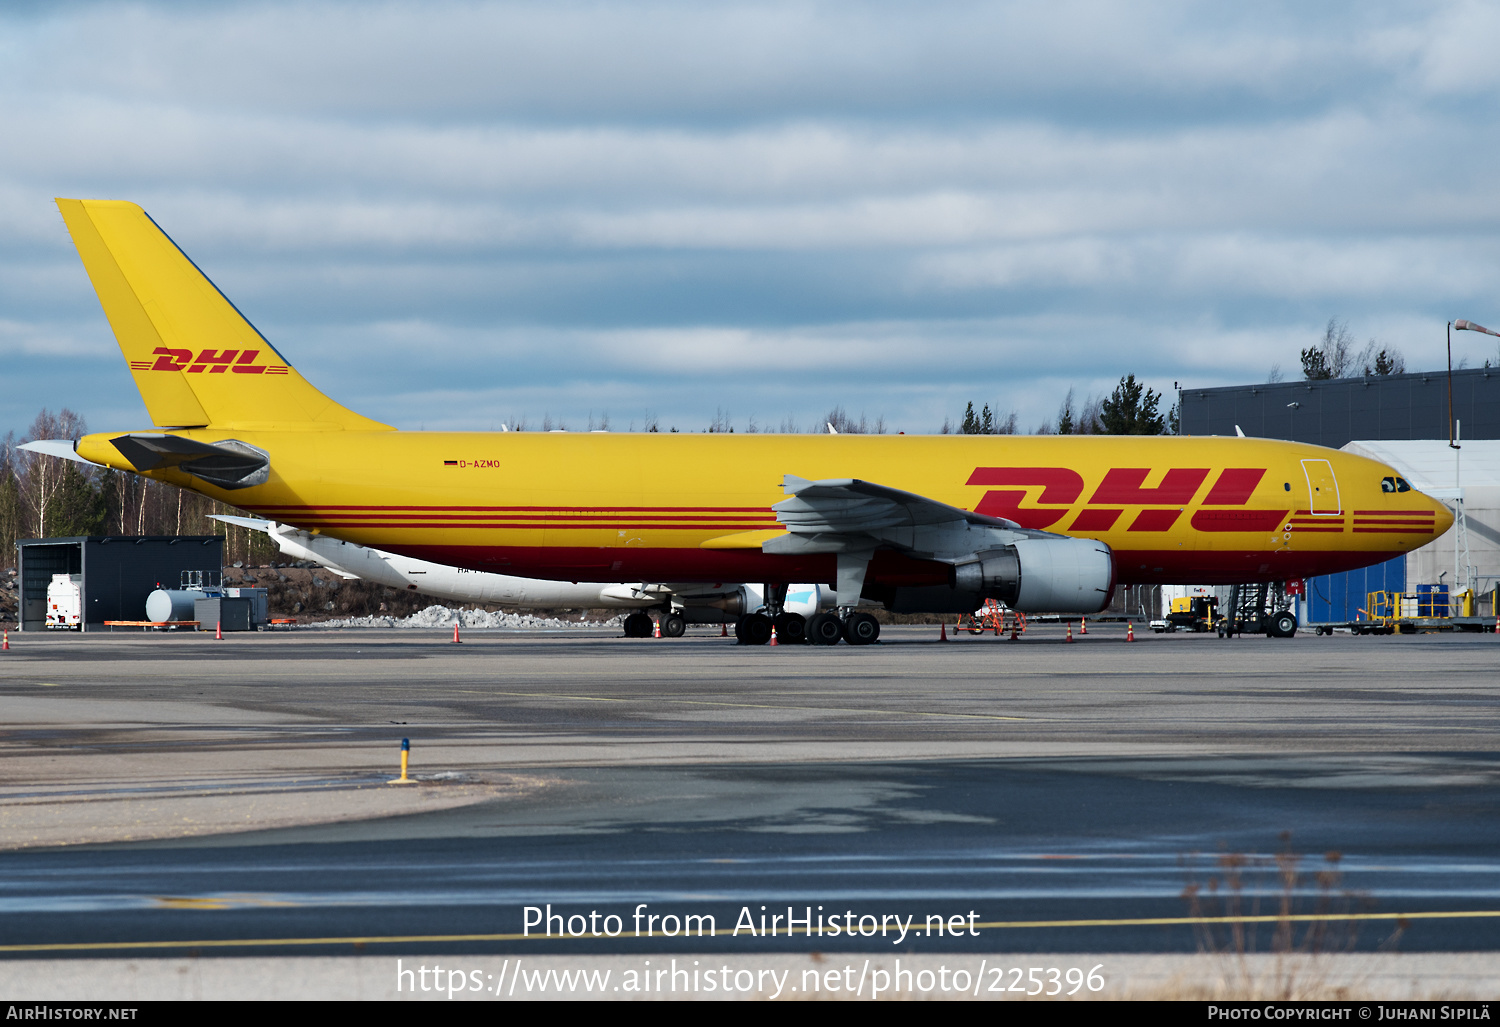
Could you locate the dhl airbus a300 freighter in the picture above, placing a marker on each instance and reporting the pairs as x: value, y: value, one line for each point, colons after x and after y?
x: 918, y: 523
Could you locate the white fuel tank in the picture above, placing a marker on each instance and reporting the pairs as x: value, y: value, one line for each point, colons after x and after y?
x: 171, y: 604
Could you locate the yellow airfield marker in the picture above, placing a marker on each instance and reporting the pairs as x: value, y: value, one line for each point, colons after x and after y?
x: 405, y: 752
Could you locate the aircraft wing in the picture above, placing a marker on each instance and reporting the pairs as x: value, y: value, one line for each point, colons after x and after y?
x: 847, y: 514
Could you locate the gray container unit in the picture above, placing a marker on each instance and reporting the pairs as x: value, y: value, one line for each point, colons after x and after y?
x: 118, y: 572
x: 260, y: 602
x: 223, y: 612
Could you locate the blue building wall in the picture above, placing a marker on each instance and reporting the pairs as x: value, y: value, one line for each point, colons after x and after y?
x: 1335, y: 598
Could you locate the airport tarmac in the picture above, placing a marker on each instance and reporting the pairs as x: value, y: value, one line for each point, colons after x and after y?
x: 159, y: 794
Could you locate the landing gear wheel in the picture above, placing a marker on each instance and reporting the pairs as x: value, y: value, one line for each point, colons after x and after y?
x: 754, y: 629
x: 791, y: 628
x: 672, y: 626
x: 861, y: 629
x: 1283, y: 625
x: 825, y: 629
x: 637, y: 625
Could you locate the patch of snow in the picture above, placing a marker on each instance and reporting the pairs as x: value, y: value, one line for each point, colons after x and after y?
x: 443, y: 617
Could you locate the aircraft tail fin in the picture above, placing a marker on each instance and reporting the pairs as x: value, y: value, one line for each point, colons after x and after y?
x: 195, y: 358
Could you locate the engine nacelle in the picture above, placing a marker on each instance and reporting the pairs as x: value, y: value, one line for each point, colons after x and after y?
x: 805, y: 600
x: 1042, y: 575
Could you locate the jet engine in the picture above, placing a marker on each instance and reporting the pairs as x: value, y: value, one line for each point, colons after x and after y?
x: 804, y: 600
x: 1043, y: 575
x: 1033, y: 575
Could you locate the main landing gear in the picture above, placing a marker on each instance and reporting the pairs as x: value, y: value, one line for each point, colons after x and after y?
x: 847, y: 624
x: 755, y: 629
x: 822, y: 629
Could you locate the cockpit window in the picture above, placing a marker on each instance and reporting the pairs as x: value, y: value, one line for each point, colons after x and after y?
x: 1394, y: 484
x: 1402, y: 485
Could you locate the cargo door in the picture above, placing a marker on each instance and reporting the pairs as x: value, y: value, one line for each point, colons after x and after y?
x: 1322, y: 488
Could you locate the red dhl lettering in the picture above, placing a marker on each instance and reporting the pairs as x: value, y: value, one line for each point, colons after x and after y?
x: 1121, y: 487
x: 1124, y: 485
x: 212, y: 361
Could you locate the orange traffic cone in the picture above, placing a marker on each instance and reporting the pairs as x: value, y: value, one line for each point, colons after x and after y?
x: 773, y: 635
x: 657, y: 632
x: 1015, y: 633
x: 723, y: 629
x: 1070, y: 632
x: 6, y: 643
x: 1129, y: 632
x: 1083, y: 625
x: 455, y: 632
x: 219, y: 630
x: 943, y: 632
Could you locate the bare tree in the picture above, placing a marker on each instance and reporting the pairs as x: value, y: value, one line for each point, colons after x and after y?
x: 1090, y: 417
x: 1331, y: 357
x: 1377, y: 360
x: 844, y: 424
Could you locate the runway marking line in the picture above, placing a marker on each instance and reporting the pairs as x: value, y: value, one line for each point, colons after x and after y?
x: 760, y: 706
x: 420, y: 939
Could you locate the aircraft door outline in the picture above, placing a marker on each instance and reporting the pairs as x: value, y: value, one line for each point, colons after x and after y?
x: 1322, y: 489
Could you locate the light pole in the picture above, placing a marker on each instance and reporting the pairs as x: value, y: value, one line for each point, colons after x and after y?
x: 1455, y: 442
x: 1463, y: 326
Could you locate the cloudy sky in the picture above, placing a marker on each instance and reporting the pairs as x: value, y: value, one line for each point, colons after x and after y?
x: 450, y: 215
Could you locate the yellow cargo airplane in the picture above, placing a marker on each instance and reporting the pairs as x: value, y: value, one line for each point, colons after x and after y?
x: 918, y: 523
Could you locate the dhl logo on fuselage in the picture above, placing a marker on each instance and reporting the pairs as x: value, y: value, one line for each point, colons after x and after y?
x: 1124, y: 487
x: 211, y: 361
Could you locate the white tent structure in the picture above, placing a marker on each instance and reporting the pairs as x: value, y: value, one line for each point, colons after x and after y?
x: 1467, y: 479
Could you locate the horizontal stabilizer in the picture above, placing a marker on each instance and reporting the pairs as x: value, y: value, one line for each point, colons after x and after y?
x: 61, y: 448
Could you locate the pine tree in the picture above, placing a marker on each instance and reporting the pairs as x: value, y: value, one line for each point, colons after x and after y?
x: 1131, y: 410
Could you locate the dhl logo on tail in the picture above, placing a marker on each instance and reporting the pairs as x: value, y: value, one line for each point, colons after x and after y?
x: 211, y: 360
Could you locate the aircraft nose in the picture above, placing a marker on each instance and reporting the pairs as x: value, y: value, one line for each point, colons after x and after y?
x: 1442, y: 518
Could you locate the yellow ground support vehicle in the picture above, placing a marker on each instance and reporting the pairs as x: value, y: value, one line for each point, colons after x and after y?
x: 1193, y: 613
